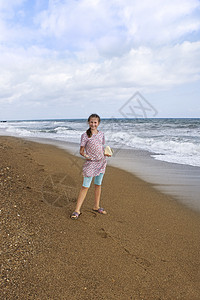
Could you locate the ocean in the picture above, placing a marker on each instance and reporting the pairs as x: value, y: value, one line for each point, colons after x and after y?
x: 169, y: 140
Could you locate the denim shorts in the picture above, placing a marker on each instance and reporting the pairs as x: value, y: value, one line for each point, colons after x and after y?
x: 97, y: 180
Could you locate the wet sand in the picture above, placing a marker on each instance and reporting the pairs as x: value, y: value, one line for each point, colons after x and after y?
x: 146, y: 247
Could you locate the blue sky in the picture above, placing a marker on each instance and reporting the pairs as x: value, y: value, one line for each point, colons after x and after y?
x: 70, y: 58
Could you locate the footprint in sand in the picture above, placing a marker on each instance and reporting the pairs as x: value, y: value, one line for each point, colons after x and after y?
x: 103, y: 233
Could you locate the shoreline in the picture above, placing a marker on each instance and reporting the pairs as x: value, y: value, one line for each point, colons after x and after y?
x: 179, y: 181
x: 146, y: 247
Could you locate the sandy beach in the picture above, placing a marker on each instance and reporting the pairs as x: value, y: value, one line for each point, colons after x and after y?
x: 146, y: 247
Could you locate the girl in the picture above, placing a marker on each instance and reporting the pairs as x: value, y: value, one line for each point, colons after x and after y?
x: 91, y: 148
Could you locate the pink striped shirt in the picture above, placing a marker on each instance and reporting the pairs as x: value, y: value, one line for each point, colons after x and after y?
x: 94, y: 149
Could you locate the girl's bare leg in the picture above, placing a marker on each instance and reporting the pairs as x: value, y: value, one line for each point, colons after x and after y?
x: 81, y: 198
x: 97, y: 193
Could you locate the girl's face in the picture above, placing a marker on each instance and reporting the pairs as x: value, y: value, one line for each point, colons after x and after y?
x: 93, y: 123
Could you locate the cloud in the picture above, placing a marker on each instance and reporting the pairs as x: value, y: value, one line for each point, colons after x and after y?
x: 111, y: 27
x: 30, y: 76
x: 111, y: 23
x: 62, y: 52
x: 15, y: 23
x: 158, y: 22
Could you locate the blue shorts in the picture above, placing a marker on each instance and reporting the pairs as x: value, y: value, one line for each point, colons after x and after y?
x: 97, y: 180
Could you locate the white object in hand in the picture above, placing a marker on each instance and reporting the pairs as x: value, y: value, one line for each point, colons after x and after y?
x: 108, y: 151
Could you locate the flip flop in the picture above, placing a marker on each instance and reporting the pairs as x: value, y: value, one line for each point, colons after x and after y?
x: 100, y: 211
x: 75, y: 215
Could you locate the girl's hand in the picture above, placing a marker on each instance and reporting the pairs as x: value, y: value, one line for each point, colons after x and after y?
x: 87, y: 157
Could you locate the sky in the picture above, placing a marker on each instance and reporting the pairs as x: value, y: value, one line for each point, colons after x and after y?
x: 70, y: 58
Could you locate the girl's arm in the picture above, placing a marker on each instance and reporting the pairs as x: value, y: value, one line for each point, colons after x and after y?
x: 82, y: 152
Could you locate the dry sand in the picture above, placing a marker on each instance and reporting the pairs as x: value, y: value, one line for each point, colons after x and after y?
x: 146, y: 247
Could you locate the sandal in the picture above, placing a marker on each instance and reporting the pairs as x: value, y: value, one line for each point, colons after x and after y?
x: 75, y: 215
x: 100, y: 211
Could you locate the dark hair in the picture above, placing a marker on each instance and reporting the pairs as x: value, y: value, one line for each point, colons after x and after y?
x: 89, y: 132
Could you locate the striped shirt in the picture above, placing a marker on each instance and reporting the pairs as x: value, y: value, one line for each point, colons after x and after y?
x: 94, y: 149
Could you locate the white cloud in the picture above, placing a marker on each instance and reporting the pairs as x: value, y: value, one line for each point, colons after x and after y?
x: 13, y: 28
x: 76, y: 22
x: 135, y: 22
x: 112, y: 27
x: 95, y: 49
x: 159, y: 22
x: 9, y: 6
x: 30, y: 76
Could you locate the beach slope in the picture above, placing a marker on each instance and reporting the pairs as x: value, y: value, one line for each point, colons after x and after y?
x: 146, y: 247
